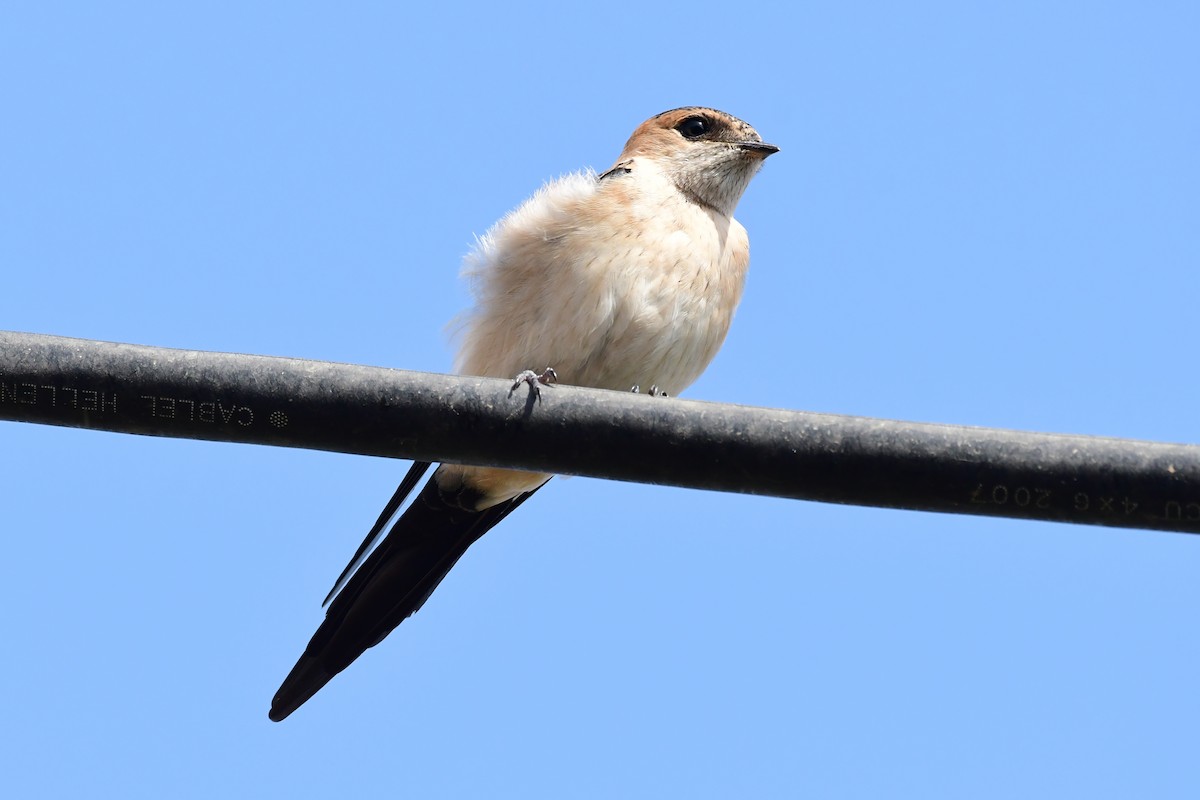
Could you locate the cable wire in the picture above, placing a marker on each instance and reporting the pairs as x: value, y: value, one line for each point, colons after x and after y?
x: 570, y: 430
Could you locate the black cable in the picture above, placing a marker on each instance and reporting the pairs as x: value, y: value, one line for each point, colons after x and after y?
x: 569, y: 430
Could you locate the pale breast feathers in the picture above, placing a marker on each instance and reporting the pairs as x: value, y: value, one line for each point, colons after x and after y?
x: 613, y: 283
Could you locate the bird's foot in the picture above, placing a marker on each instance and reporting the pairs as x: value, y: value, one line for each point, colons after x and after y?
x: 535, y: 380
x: 654, y: 391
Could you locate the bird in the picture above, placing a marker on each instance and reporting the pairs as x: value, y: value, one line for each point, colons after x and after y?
x: 614, y: 280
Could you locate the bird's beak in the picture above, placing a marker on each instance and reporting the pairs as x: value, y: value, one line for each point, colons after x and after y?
x: 760, y: 149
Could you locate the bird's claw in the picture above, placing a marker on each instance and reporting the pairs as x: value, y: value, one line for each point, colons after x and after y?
x: 654, y: 391
x: 535, y: 380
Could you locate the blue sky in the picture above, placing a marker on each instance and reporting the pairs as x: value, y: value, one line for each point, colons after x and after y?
x: 982, y: 213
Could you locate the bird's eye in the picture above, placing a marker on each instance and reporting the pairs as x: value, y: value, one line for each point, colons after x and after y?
x: 693, y: 127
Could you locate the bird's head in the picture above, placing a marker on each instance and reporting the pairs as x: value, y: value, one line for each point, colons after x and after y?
x: 710, y: 155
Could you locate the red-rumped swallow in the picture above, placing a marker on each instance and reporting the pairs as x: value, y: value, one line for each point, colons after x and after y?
x: 626, y: 278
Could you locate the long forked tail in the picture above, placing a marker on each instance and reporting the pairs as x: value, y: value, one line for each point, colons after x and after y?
x: 390, y: 585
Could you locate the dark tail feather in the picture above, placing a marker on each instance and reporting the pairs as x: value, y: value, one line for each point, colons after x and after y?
x: 393, y: 582
x: 414, y: 474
